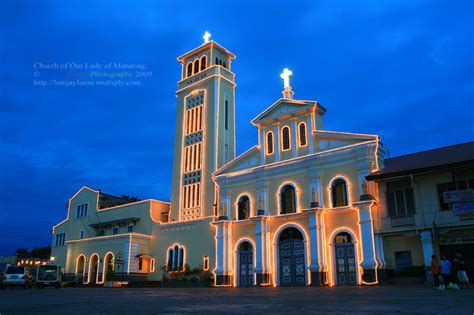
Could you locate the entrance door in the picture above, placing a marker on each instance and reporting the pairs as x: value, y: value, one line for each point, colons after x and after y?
x: 345, y: 260
x: 246, y: 265
x: 291, y: 258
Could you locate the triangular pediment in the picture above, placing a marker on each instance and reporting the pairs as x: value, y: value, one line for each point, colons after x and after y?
x: 283, y: 108
x: 248, y: 159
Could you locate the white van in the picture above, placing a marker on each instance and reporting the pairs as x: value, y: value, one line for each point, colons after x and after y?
x: 48, y: 276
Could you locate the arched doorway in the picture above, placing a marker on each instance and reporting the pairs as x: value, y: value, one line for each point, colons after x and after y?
x: 243, y: 207
x: 245, y: 265
x: 93, y: 268
x: 80, y: 268
x: 345, y: 264
x: 287, y: 199
x: 291, y: 258
x: 108, y: 272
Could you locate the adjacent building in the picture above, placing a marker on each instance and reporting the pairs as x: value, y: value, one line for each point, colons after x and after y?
x: 426, y: 207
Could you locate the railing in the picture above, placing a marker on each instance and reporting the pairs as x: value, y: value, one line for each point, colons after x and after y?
x: 402, y: 221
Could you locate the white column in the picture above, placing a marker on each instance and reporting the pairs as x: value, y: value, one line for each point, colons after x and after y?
x: 315, y: 188
x: 220, y: 248
x: 261, y: 251
x: 261, y: 137
x: 379, y: 252
x: 262, y: 198
x: 427, y: 242
x: 294, y: 132
x: 276, y: 142
x: 367, y: 235
x: 310, y: 134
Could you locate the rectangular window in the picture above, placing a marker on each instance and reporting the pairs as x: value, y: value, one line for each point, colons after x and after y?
x: 81, y: 210
x: 130, y: 228
x: 60, y: 239
x: 100, y: 232
x: 140, y: 264
x: 152, y: 264
x: 81, y: 235
x: 400, y: 199
x: 205, y: 263
x: 452, y: 186
x: 403, y: 260
x: 226, y: 115
x: 115, y: 230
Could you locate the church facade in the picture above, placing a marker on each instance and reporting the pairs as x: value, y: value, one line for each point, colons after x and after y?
x: 295, y: 209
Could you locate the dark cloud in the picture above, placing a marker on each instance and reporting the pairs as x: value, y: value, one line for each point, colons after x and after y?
x: 403, y: 70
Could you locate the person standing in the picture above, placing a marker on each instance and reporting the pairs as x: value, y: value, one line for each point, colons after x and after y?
x: 461, y: 272
x: 445, y: 272
x: 435, y: 270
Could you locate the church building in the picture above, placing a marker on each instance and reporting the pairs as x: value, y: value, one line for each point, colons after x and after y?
x: 295, y: 209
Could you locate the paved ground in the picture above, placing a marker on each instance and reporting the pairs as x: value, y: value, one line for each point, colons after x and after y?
x: 336, y: 300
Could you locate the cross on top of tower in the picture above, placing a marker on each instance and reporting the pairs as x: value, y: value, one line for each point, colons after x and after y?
x: 287, y: 91
x: 285, y: 75
x: 206, y: 37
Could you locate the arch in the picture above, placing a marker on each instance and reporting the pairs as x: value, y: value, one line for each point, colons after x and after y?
x: 288, y: 198
x: 176, y: 258
x: 276, y: 262
x: 189, y: 69
x: 285, y: 138
x: 196, y: 66
x: 80, y: 266
x: 93, y: 274
x: 332, y: 255
x: 243, y: 207
x: 108, y: 265
x: 224, y: 64
x: 217, y: 61
x: 339, y: 192
x: 246, y: 241
x: 169, y: 261
x: 269, y: 143
x: 302, y: 135
x: 203, y: 63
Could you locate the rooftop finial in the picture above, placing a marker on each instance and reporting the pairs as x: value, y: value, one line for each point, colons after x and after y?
x: 206, y: 37
x: 287, y: 91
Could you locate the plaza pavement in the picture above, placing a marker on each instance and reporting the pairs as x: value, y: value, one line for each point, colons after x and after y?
x: 303, y: 300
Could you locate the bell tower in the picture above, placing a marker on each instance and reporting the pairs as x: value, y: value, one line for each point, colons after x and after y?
x: 205, y: 129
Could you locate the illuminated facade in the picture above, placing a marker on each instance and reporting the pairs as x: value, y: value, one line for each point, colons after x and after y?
x: 293, y: 210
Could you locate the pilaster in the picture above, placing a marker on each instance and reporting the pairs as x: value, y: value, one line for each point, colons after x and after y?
x: 368, y: 264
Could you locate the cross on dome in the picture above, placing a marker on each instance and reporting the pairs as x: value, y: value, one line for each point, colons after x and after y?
x: 206, y: 37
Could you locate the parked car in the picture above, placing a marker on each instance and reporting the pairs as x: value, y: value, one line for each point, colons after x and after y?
x: 17, y: 276
x: 2, y: 277
x: 49, y: 276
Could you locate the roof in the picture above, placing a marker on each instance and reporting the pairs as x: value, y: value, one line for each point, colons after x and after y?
x: 107, y: 200
x: 426, y: 161
x: 298, y: 105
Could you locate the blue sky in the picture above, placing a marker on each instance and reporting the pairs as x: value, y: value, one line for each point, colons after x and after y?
x: 401, y: 69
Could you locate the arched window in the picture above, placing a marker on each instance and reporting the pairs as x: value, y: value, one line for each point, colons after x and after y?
x: 181, y: 259
x: 175, y: 260
x: 196, y: 66
x: 189, y: 71
x: 224, y: 64
x: 269, y: 142
x: 285, y: 136
x: 203, y: 62
x: 220, y: 62
x: 302, y: 134
x: 243, y: 207
x: 169, y: 264
x: 339, y: 193
x: 287, y: 199
x: 217, y: 61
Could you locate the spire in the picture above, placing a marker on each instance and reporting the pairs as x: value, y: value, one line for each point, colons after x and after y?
x: 287, y: 91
